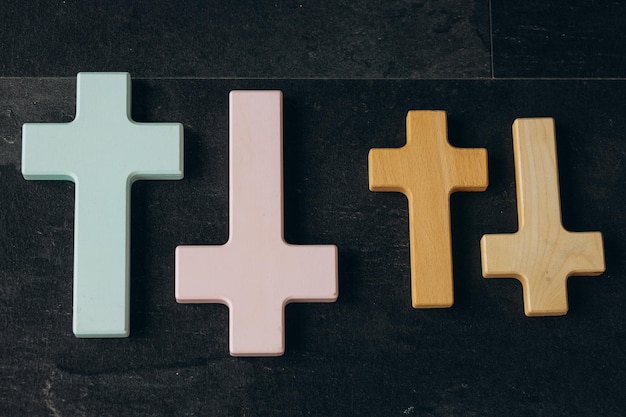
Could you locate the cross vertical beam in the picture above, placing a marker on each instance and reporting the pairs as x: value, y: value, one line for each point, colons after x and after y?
x: 256, y: 273
x: 541, y: 254
x: 103, y: 151
x: 427, y: 170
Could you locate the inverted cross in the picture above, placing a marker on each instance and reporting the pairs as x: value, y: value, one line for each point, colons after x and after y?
x: 541, y: 254
x: 427, y: 170
x: 256, y: 273
x: 103, y: 151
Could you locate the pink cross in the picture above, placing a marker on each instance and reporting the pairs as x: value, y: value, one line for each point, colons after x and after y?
x: 256, y: 273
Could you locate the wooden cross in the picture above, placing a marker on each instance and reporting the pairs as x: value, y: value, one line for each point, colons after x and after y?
x: 103, y: 151
x: 427, y: 170
x: 541, y: 254
x: 256, y: 273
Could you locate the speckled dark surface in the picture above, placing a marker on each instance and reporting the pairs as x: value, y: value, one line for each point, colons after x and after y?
x: 559, y: 39
x: 370, y: 353
x: 294, y: 39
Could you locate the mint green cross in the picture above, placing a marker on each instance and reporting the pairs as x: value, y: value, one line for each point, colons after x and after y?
x: 103, y: 151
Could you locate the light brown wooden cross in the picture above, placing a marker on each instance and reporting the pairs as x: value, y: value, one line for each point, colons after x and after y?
x: 427, y: 170
x: 542, y: 254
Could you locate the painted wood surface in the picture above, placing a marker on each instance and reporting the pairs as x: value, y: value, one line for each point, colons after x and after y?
x: 256, y: 273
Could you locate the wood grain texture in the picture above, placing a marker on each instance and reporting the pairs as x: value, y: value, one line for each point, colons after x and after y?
x: 427, y: 170
x: 542, y: 254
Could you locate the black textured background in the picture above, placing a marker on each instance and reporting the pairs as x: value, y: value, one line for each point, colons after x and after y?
x: 349, y: 72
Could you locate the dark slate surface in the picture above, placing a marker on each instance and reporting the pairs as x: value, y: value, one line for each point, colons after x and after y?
x: 292, y: 39
x: 561, y: 39
x: 370, y: 353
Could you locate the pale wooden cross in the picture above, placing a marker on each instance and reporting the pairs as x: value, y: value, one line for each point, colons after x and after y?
x: 541, y: 254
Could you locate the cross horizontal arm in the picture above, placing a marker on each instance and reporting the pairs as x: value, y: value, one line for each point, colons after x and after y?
x: 256, y: 283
